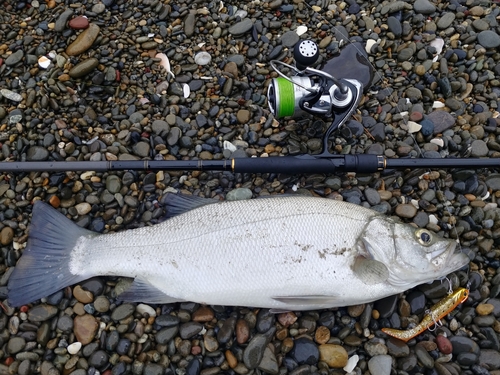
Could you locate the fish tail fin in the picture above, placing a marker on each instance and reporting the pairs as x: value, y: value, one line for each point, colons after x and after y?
x: 44, y: 267
x: 400, y: 334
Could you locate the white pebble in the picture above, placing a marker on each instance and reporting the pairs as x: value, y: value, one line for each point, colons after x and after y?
x: 241, y: 13
x: 87, y: 175
x: 165, y: 62
x: 438, y: 44
x: 74, y: 348
x: 186, y: 90
x: 229, y: 146
x: 202, y: 58
x: 413, y: 127
x: 351, y: 363
x: 369, y: 45
x: 145, y: 309
x: 437, y: 141
x: 437, y: 104
x: 83, y: 208
x: 302, y: 29
x: 433, y: 219
x: 414, y: 202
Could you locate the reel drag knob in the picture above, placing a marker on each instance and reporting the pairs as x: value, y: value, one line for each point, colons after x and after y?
x: 305, y: 53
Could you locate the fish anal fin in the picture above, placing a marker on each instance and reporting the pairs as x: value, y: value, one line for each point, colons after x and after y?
x: 306, y: 300
x: 370, y: 271
x: 141, y: 290
x: 177, y: 204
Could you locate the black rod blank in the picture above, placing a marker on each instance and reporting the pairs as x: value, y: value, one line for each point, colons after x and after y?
x: 301, y: 164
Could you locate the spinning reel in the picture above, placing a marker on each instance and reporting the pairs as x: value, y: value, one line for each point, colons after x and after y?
x: 312, y: 91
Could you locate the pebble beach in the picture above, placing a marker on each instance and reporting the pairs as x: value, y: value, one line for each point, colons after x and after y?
x: 113, y: 80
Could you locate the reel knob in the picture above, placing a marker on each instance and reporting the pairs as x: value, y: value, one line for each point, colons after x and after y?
x: 305, y: 53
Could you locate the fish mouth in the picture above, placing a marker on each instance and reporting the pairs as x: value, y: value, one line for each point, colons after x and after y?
x: 448, y: 257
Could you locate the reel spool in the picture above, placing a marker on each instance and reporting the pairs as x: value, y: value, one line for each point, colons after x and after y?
x: 309, y: 91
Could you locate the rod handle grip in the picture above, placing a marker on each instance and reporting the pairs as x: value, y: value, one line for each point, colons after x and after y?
x: 364, y: 163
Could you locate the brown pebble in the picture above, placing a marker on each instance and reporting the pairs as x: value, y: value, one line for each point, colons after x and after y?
x: 242, y: 331
x: 230, y: 358
x: 286, y: 345
x: 54, y: 201
x: 79, y: 23
x: 281, y: 334
x: 203, y: 314
x: 444, y: 345
x: 83, y: 296
x: 404, y: 308
x: 375, y: 314
x: 84, y: 41
x: 484, y: 308
x: 243, y: 116
x: 287, y: 319
x: 356, y: 310
x: 85, y: 328
x: 322, y: 335
x: 6, y: 235
x: 335, y: 356
x: 428, y: 345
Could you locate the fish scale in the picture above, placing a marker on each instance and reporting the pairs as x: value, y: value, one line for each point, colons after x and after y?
x: 292, y: 253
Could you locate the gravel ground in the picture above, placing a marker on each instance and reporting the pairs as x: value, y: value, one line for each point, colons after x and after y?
x: 82, y: 81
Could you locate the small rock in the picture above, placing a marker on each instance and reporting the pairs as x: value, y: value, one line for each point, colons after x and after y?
x: 84, y: 41
x: 380, y: 365
x: 334, y: 355
x: 85, y: 328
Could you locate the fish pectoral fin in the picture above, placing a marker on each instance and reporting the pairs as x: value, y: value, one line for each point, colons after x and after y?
x: 312, y: 300
x: 370, y: 271
x: 177, y: 204
x: 142, y: 291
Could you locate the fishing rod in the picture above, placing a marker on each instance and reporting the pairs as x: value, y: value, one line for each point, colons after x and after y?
x: 309, y: 91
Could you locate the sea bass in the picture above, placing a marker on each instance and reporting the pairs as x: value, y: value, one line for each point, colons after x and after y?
x: 286, y: 253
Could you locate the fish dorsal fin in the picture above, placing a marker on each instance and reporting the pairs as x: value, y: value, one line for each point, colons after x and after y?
x: 370, y: 271
x: 177, y: 204
x: 307, y: 300
x: 142, y: 291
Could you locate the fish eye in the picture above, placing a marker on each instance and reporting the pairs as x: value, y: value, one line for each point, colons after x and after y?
x: 424, y: 237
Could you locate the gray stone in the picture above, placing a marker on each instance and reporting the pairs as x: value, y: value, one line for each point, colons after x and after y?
x: 61, y: 21
x: 15, y: 345
x: 488, y: 39
x: 160, y: 127
x: 424, y: 7
x: 380, y: 365
x: 241, y: 27
x: 289, y: 39
x: 442, y: 121
x: 394, y: 26
x: 15, y: 58
x: 37, y: 153
x: 122, y: 312
x: 141, y: 149
x: 445, y: 21
x: 239, y: 194
x: 269, y: 364
x: 113, y: 184
x: 479, y: 149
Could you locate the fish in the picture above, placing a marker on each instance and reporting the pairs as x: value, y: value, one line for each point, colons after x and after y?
x: 432, y: 316
x: 286, y: 253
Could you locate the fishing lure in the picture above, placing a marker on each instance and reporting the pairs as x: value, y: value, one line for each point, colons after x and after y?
x: 432, y: 316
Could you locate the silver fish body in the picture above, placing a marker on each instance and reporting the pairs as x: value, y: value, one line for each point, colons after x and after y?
x: 291, y: 253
